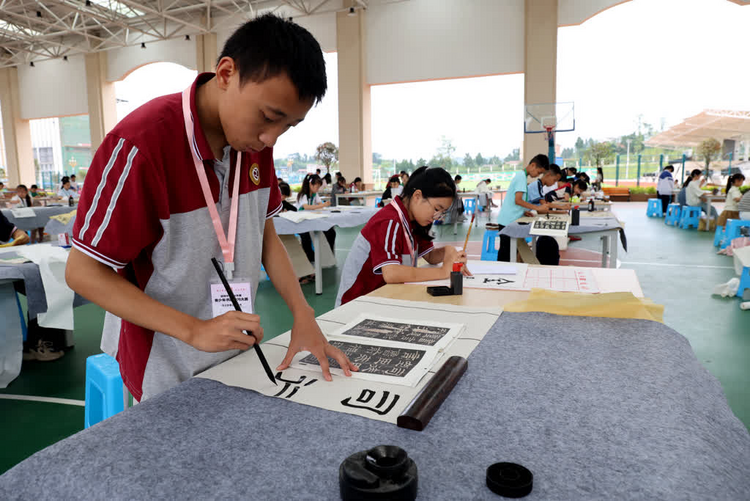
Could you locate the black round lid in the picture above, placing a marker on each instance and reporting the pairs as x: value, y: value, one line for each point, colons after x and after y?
x: 509, y: 480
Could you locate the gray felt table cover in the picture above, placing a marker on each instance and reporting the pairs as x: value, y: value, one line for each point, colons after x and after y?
x: 39, y: 221
x: 347, y: 218
x: 595, y: 408
x: 29, y: 274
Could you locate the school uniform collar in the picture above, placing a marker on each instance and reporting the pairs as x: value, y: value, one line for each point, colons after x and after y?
x: 200, y: 138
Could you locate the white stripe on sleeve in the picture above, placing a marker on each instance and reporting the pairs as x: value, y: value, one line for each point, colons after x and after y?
x: 115, y: 196
x: 393, y: 243
x: 100, y: 188
x: 387, y: 237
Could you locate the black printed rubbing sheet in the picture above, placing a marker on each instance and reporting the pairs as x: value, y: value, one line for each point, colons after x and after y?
x: 394, y: 353
x: 387, y: 350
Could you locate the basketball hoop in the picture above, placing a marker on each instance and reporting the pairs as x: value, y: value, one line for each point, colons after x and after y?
x: 548, y: 119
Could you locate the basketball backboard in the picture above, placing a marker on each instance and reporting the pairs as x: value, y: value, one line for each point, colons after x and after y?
x: 549, y: 117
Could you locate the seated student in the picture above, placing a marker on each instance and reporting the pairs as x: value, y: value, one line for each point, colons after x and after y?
x: 485, y: 197
x: 73, y: 184
x: 2, y: 187
x: 21, y: 198
x: 665, y: 187
x: 65, y: 189
x: 34, y: 191
x: 404, y: 177
x: 536, y: 188
x: 286, y: 192
x: 516, y: 202
x: 734, y: 195
x: 566, y: 191
x: 694, y: 195
x: 391, y: 191
x: 307, y: 200
x: 327, y: 181
x: 401, y: 229
x: 338, y: 188
x: 280, y: 181
x: 357, y: 185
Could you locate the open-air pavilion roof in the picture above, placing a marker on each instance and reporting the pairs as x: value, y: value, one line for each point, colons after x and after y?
x: 718, y: 124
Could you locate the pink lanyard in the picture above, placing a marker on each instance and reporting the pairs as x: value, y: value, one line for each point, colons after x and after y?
x: 226, y: 244
x: 407, y: 234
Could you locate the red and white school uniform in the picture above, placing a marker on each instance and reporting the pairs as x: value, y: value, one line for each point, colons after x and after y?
x: 381, y: 242
x: 143, y: 212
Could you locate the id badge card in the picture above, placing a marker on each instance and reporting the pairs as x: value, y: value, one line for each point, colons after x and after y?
x: 220, y: 302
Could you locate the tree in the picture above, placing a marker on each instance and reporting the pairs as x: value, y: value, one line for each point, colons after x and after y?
x: 479, y: 160
x: 568, y: 153
x: 709, y: 150
x: 444, y: 156
x: 580, y: 145
x: 515, y: 155
x: 421, y: 162
x: 327, y: 153
x: 468, y: 161
x: 598, y: 152
x: 376, y: 158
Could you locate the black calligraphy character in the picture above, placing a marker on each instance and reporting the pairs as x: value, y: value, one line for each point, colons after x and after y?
x: 288, y: 384
x: 366, y: 395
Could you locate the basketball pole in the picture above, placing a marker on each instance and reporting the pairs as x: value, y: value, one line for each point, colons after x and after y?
x: 550, y: 144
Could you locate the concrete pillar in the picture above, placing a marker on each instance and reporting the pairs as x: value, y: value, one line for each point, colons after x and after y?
x: 102, y: 99
x: 540, y: 66
x: 19, y: 154
x: 355, y: 136
x: 206, y: 52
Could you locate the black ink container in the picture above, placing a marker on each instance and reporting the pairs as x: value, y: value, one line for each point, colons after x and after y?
x: 457, y: 280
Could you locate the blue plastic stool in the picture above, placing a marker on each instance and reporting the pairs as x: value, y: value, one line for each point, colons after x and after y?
x: 24, y: 329
x: 691, y: 216
x: 377, y: 201
x: 732, y: 231
x: 718, y: 236
x: 673, y: 215
x: 654, y: 208
x: 470, y: 205
x: 489, y: 252
x: 104, y: 394
x: 744, y: 281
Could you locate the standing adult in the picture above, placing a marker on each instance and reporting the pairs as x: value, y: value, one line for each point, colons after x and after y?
x: 665, y: 187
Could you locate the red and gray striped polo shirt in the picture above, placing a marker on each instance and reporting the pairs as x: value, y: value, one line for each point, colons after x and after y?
x: 142, y: 212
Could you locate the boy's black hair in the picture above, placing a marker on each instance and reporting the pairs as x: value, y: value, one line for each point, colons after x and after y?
x: 457, y: 178
x: 394, y: 179
x: 541, y: 161
x: 34, y: 187
x: 488, y: 180
x: 357, y: 179
x: 285, y: 190
x: 402, y: 173
x: 433, y: 183
x: 65, y: 179
x: 581, y: 184
x: 669, y: 167
x: 72, y: 176
x: 572, y: 170
x: 555, y: 169
x: 269, y: 46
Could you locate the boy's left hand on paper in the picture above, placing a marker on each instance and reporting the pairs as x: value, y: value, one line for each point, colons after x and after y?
x: 306, y: 336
